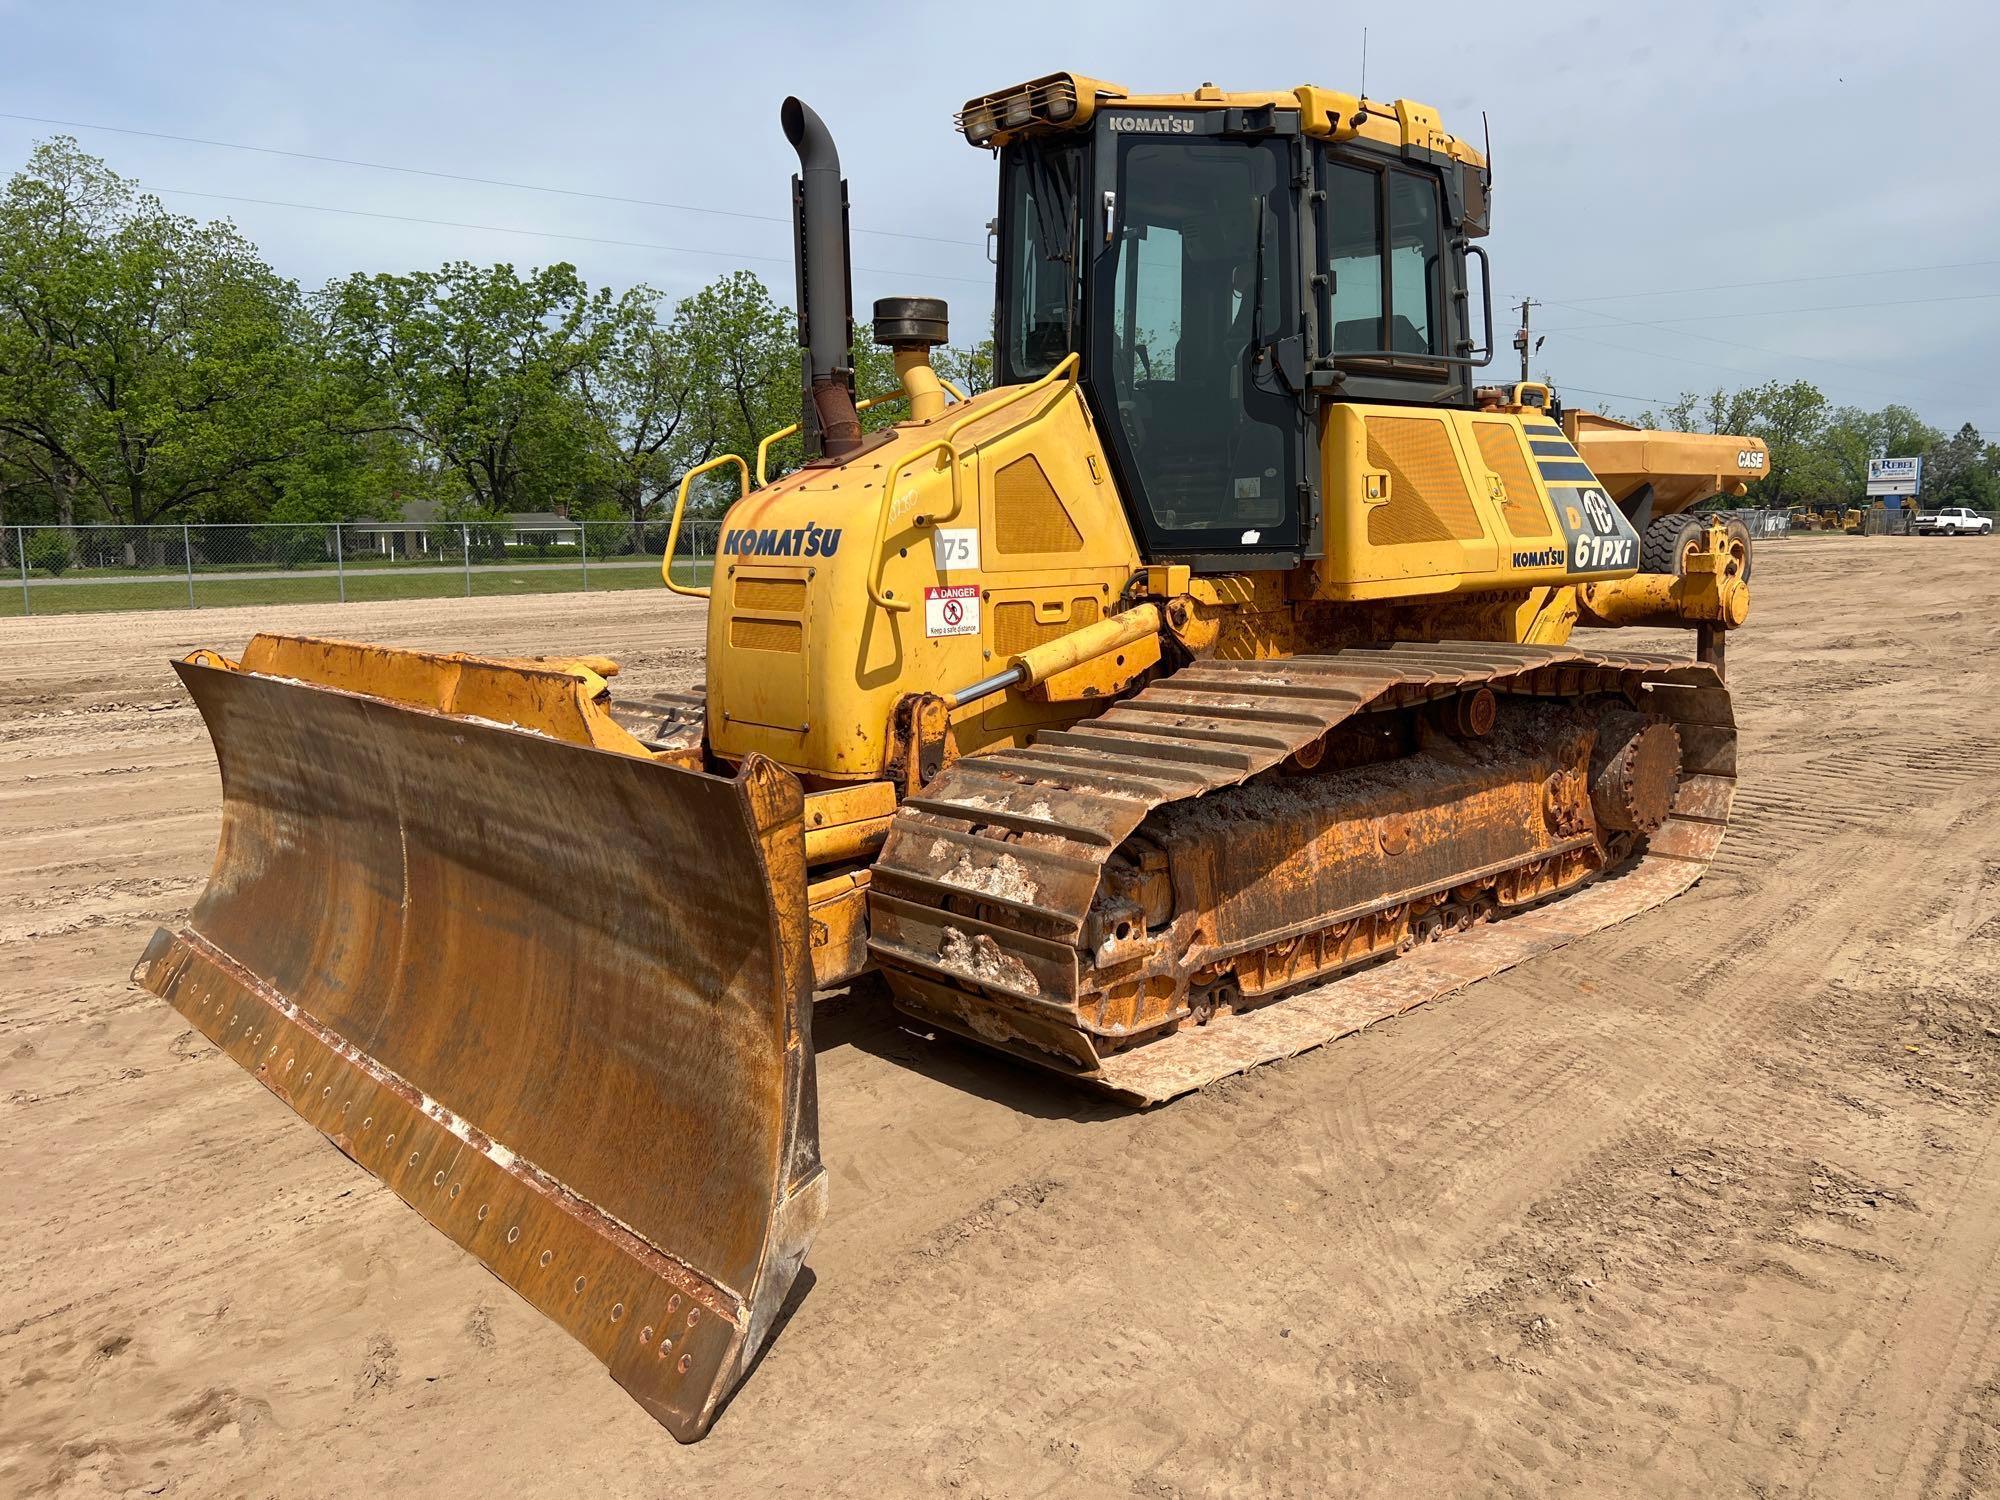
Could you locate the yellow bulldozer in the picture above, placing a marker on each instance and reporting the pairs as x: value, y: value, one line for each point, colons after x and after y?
x: 1204, y: 691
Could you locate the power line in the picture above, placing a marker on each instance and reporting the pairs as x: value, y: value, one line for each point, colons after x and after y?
x: 1615, y: 395
x: 1735, y: 286
x: 1780, y: 312
x: 528, y: 187
x: 1681, y: 359
x: 547, y: 234
x: 1614, y: 321
x: 1727, y: 369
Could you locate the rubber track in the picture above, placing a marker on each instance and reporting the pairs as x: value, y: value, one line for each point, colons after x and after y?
x: 1210, y: 726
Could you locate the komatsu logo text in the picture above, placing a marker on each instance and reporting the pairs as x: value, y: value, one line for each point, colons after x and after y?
x: 1548, y: 557
x: 796, y: 541
x: 1153, y: 124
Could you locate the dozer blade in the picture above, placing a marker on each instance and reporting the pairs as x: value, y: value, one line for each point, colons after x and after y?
x: 555, y: 996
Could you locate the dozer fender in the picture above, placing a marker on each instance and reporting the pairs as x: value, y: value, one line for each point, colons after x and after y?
x: 556, y: 995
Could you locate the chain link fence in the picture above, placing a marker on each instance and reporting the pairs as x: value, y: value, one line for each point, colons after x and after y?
x: 1763, y: 523
x: 72, y: 569
x: 1875, y: 520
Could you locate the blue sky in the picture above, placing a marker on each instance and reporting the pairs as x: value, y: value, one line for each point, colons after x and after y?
x: 1640, y: 150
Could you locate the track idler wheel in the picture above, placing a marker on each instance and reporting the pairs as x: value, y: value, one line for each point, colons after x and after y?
x: 1635, y: 770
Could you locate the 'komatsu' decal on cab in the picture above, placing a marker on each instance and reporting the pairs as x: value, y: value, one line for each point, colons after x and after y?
x: 1548, y: 557
x: 1152, y: 124
x: 795, y: 541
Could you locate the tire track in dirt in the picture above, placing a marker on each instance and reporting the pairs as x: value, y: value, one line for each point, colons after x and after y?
x: 1694, y: 1147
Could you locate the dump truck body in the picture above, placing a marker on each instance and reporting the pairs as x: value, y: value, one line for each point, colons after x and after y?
x: 1679, y: 470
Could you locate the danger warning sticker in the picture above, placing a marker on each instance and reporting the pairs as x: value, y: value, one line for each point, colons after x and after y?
x: 952, y: 610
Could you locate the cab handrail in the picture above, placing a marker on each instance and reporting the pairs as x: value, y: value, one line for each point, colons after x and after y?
x: 877, y: 553
x: 680, y: 504
x: 1065, y: 374
x: 791, y: 429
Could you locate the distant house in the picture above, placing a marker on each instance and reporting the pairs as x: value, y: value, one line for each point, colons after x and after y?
x: 411, y: 535
x: 541, y: 528
x: 408, y: 536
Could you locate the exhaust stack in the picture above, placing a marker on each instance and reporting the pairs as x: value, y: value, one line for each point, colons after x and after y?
x: 827, y: 418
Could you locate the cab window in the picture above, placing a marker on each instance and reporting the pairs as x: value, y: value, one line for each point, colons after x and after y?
x: 1198, y: 290
x: 1414, y: 262
x: 1038, y: 260
x: 1353, y: 241
x: 1382, y: 235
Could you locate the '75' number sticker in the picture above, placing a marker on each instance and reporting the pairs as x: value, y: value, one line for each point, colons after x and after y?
x: 955, y: 547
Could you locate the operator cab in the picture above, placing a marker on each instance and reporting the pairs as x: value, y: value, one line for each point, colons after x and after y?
x: 1222, y: 264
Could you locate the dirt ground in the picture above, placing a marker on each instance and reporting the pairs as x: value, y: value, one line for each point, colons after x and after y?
x: 1705, y: 1204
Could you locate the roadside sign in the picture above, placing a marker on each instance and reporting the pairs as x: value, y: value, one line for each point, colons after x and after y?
x: 1894, y: 476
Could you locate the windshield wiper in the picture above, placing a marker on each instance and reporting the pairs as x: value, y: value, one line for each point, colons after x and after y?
x: 1257, y: 295
x: 1055, y: 208
x: 1287, y: 354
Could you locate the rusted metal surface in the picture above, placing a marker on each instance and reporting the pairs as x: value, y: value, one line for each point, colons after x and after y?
x: 1009, y: 901
x: 558, y: 999
x: 1189, y: 1059
x: 663, y: 721
x: 837, y: 921
x: 1634, y: 770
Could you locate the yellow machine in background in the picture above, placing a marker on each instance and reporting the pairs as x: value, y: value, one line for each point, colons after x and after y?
x: 1202, y: 692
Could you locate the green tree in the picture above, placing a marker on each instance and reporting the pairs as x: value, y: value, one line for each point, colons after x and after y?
x: 971, y: 370
x: 746, y: 353
x: 50, y: 553
x: 1852, y: 437
x: 1680, y: 415
x: 645, y: 401
x: 1791, y: 419
x: 150, y: 364
x: 481, y: 367
x: 1964, y: 469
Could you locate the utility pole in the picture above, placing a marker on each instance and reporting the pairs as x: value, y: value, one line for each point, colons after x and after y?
x: 1521, y: 337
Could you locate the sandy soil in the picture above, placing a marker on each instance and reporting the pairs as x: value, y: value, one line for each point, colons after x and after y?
x: 1706, y: 1204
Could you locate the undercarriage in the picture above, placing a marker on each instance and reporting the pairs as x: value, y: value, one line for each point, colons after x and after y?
x: 1123, y: 900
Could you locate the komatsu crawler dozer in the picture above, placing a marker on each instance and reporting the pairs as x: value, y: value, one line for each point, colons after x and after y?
x: 1207, y: 689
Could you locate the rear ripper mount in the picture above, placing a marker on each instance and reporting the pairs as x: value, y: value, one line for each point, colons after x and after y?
x: 1161, y: 896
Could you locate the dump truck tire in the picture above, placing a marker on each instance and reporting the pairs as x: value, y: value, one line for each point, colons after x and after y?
x: 1664, y: 545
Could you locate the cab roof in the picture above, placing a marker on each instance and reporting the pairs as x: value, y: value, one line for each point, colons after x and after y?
x: 1064, y: 102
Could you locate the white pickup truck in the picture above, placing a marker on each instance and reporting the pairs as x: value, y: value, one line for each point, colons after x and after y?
x: 1953, y: 520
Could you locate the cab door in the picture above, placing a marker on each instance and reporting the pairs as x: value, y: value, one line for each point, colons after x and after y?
x: 1193, y: 308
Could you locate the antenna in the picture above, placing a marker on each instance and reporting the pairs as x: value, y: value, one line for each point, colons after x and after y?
x: 1486, y: 129
x: 1364, y: 62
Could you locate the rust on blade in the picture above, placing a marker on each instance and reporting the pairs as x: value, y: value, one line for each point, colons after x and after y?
x: 556, y: 997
